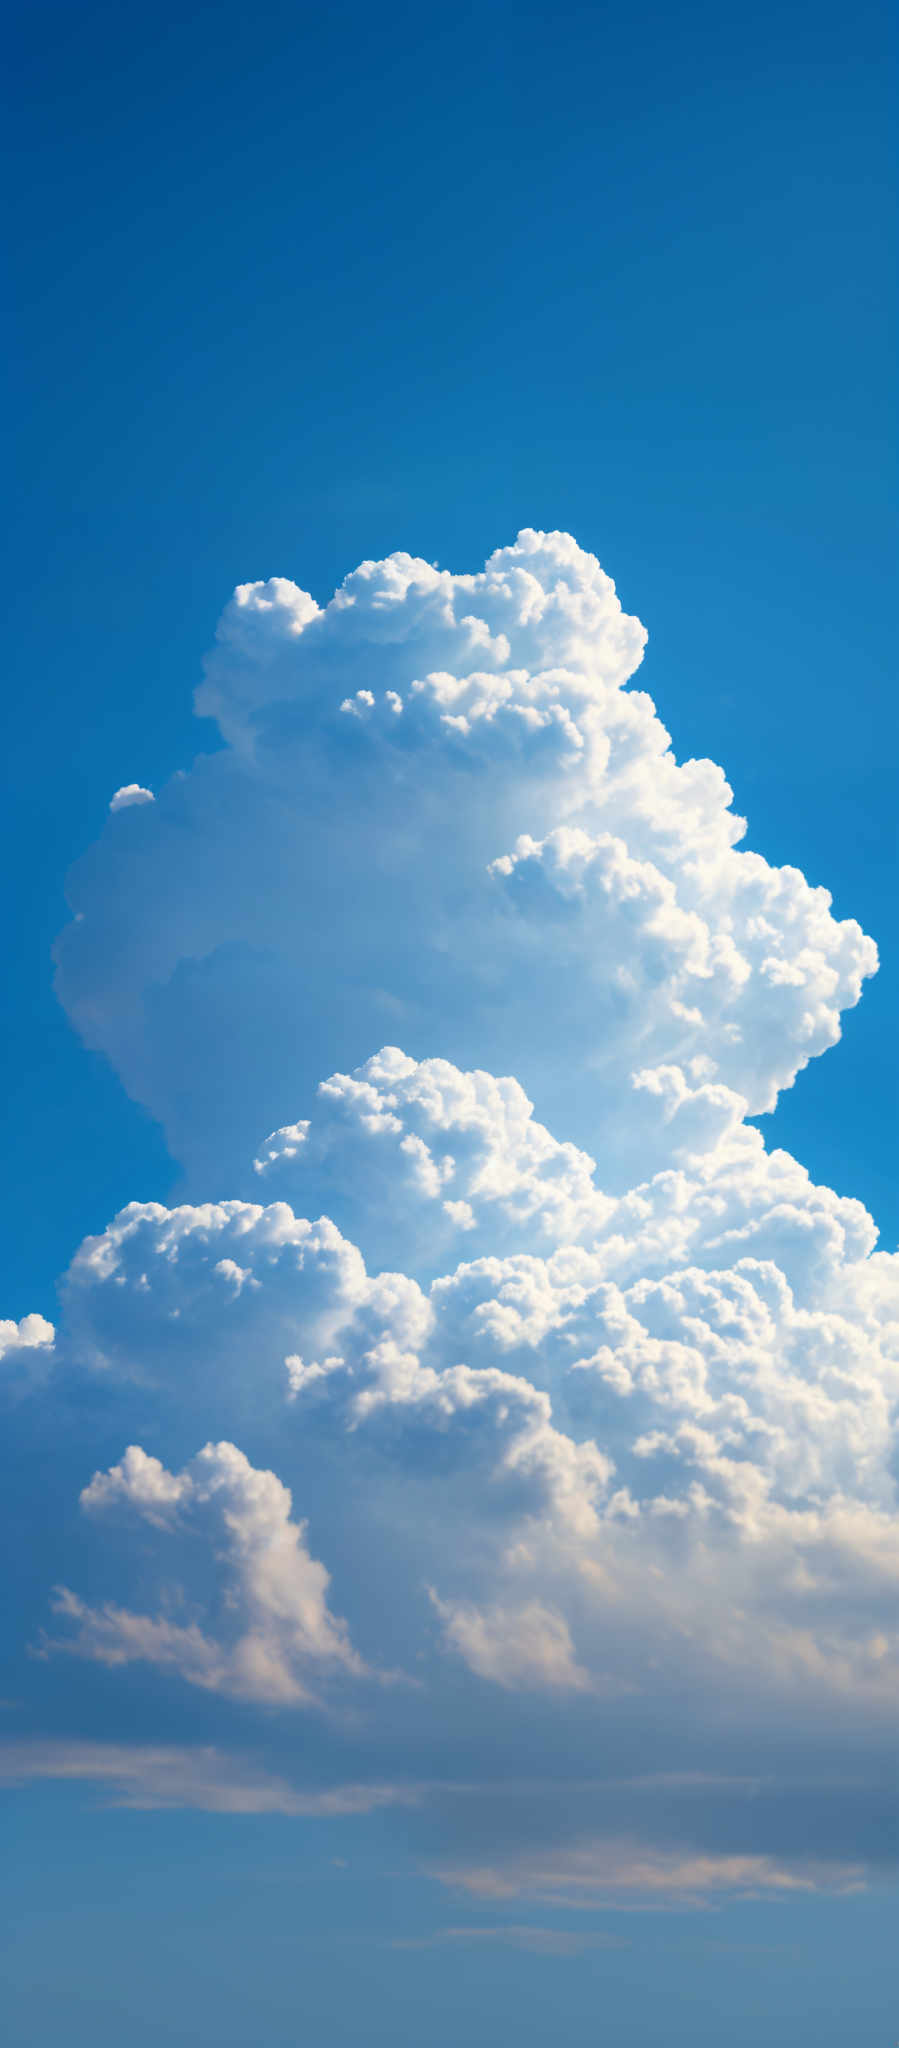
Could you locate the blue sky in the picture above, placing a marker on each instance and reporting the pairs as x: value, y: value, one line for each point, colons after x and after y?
x: 290, y: 294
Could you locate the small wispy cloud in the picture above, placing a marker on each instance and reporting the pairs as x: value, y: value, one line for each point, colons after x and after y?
x: 542, y: 1941
x: 615, y: 1874
x: 149, y: 1776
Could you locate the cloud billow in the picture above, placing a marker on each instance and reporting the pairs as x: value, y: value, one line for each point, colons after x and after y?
x: 510, y: 1397
x: 441, y: 818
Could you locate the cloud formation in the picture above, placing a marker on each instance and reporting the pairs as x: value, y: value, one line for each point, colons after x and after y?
x: 692, y: 1387
x: 31, y: 1333
x: 130, y: 793
x: 144, y: 1778
x: 438, y: 804
x: 281, y: 1638
x: 587, y: 1398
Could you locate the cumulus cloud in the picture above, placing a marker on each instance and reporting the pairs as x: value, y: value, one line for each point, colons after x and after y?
x: 661, y: 1426
x: 26, y: 1352
x: 519, y: 1646
x: 280, y: 1632
x: 590, y: 1398
x: 32, y: 1333
x: 438, y: 804
x: 130, y: 793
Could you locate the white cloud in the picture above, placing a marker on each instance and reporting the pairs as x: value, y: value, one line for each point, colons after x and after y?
x: 148, y: 1776
x: 596, y: 1430
x: 281, y: 1636
x: 615, y: 1872
x: 525, y: 1646
x: 130, y: 793
x: 32, y: 1333
x: 27, y: 1355
x: 674, y: 1417
x: 500, y: 818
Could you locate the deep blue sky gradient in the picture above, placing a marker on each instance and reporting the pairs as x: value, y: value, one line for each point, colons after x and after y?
x: 296, y: 286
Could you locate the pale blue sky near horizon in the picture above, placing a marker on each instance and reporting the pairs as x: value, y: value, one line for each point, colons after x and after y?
x: 301, y: 287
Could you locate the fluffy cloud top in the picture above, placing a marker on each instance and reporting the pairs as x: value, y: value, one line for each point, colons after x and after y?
x: 280, y: 1633
x: 588, y: 1400
x: 130, y: 793
x: 31, y: 1333
x: 438, y: 805
x: 692, y: 1387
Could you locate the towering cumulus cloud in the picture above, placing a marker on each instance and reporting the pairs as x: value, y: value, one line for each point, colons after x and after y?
x: 508, y: 1392
x: 442, y: 819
